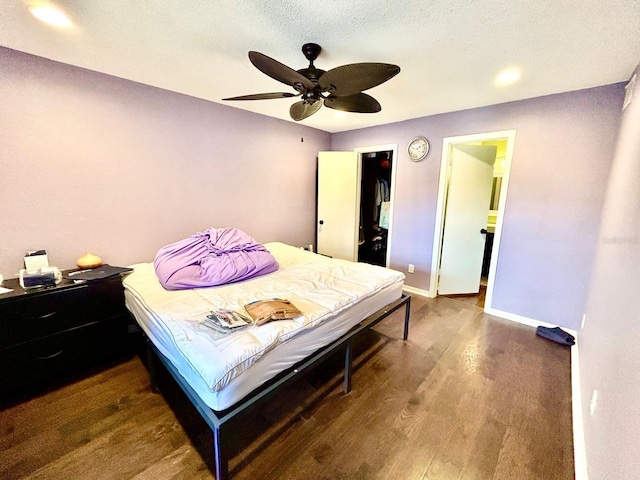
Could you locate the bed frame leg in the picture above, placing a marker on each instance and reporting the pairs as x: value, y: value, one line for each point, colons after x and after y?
x: 151, y: 365
x: 348, y: 357
x: 407, y: 314
x: 222, y: 467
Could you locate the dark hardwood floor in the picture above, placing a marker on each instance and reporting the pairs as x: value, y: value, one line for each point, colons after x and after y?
x: 476, y: 299
x: 468, y: 396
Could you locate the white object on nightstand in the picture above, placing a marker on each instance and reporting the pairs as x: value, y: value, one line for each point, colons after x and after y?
x: 36, y: 260
x: 2, y: 289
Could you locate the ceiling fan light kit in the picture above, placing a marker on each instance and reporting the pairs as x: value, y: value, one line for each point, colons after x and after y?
x: 339, y: 88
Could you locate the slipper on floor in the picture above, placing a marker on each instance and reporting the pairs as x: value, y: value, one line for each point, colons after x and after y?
x: 556, y: 334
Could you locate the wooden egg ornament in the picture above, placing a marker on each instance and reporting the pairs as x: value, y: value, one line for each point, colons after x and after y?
x: 89, y: 260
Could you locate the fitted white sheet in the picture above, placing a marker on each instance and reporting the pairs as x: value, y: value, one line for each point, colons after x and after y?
x: 334, y: 295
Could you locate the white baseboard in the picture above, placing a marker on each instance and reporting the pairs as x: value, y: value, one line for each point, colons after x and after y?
x: 417, y: 291
x: 579, y: 447
x: 532, y: 322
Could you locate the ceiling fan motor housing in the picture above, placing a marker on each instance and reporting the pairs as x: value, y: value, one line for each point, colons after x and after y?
x: 311, y: 73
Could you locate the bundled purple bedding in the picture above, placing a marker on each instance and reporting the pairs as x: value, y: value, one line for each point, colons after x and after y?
x: 213, y: 257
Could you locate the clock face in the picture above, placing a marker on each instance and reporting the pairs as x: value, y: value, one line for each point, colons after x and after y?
x: 418, y: 148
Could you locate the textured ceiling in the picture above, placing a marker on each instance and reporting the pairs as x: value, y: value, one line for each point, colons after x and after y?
x: 449, y: 50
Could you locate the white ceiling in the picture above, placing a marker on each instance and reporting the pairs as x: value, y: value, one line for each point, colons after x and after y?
x: 449, y: 50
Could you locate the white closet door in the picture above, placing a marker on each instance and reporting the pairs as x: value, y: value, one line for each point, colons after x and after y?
x: 338, y: 200
x: 466, y: 214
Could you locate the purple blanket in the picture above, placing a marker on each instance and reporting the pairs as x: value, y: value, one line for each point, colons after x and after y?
x: 213, y: 257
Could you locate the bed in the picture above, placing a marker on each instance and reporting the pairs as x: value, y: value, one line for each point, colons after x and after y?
x: 227, y: 375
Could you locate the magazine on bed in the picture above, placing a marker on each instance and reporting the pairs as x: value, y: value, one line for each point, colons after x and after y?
x: 227, y: 321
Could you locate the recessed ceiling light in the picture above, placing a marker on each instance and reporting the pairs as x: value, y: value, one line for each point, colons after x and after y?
x: 50, y: 15
x: 508, y: 76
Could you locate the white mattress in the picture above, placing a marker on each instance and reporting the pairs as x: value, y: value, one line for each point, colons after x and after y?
x: 334, y: 295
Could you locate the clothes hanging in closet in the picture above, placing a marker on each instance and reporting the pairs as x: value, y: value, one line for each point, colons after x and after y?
x: 381, y: 195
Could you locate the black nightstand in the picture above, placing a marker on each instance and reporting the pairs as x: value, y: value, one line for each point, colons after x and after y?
x: 47, y: 333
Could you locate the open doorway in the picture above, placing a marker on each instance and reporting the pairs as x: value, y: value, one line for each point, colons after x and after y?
x: 375, y: 203
x: 474, y: 177
x: 377, y: 180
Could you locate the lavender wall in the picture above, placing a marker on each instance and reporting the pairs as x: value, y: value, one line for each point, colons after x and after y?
x: 563, y: 149
x: 608, y: 348
x: 90, y: 162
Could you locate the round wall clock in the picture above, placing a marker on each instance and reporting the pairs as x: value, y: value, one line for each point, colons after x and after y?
x: 418, y: 148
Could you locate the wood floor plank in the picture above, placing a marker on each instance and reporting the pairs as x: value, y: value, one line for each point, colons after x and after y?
x: 468, y: 396
x: 23, y: 420
x: 184, y: 463
x: 150, y: 438
x: 46, y: 430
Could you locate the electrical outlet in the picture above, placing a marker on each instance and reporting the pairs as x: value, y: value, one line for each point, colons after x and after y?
x: 411, y: 268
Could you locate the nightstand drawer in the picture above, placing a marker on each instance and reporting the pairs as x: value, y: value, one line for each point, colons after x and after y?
x: 32, y: 317
x: 49, y: 357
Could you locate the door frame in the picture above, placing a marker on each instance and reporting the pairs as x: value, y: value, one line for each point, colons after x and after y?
x: 392, y: 188
x: 443, y: 185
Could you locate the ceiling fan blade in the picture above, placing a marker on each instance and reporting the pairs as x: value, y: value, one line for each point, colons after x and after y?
x: 263, y: 96
x: 279, y: 71
x: 360, y: 103
x: 356, y: 77
x: 301, y: 110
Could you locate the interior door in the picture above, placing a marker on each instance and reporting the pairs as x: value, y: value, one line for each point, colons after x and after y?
x: 338, y: 200
x: 468, y: 199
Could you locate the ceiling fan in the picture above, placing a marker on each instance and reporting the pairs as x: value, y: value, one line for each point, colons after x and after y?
x: 339, y: 88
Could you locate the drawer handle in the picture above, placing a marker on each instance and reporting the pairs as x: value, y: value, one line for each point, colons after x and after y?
x: 48, y: 357
x: 42, y: 317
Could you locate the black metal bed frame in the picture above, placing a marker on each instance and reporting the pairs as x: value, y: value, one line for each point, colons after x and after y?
x: 216, y: 420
